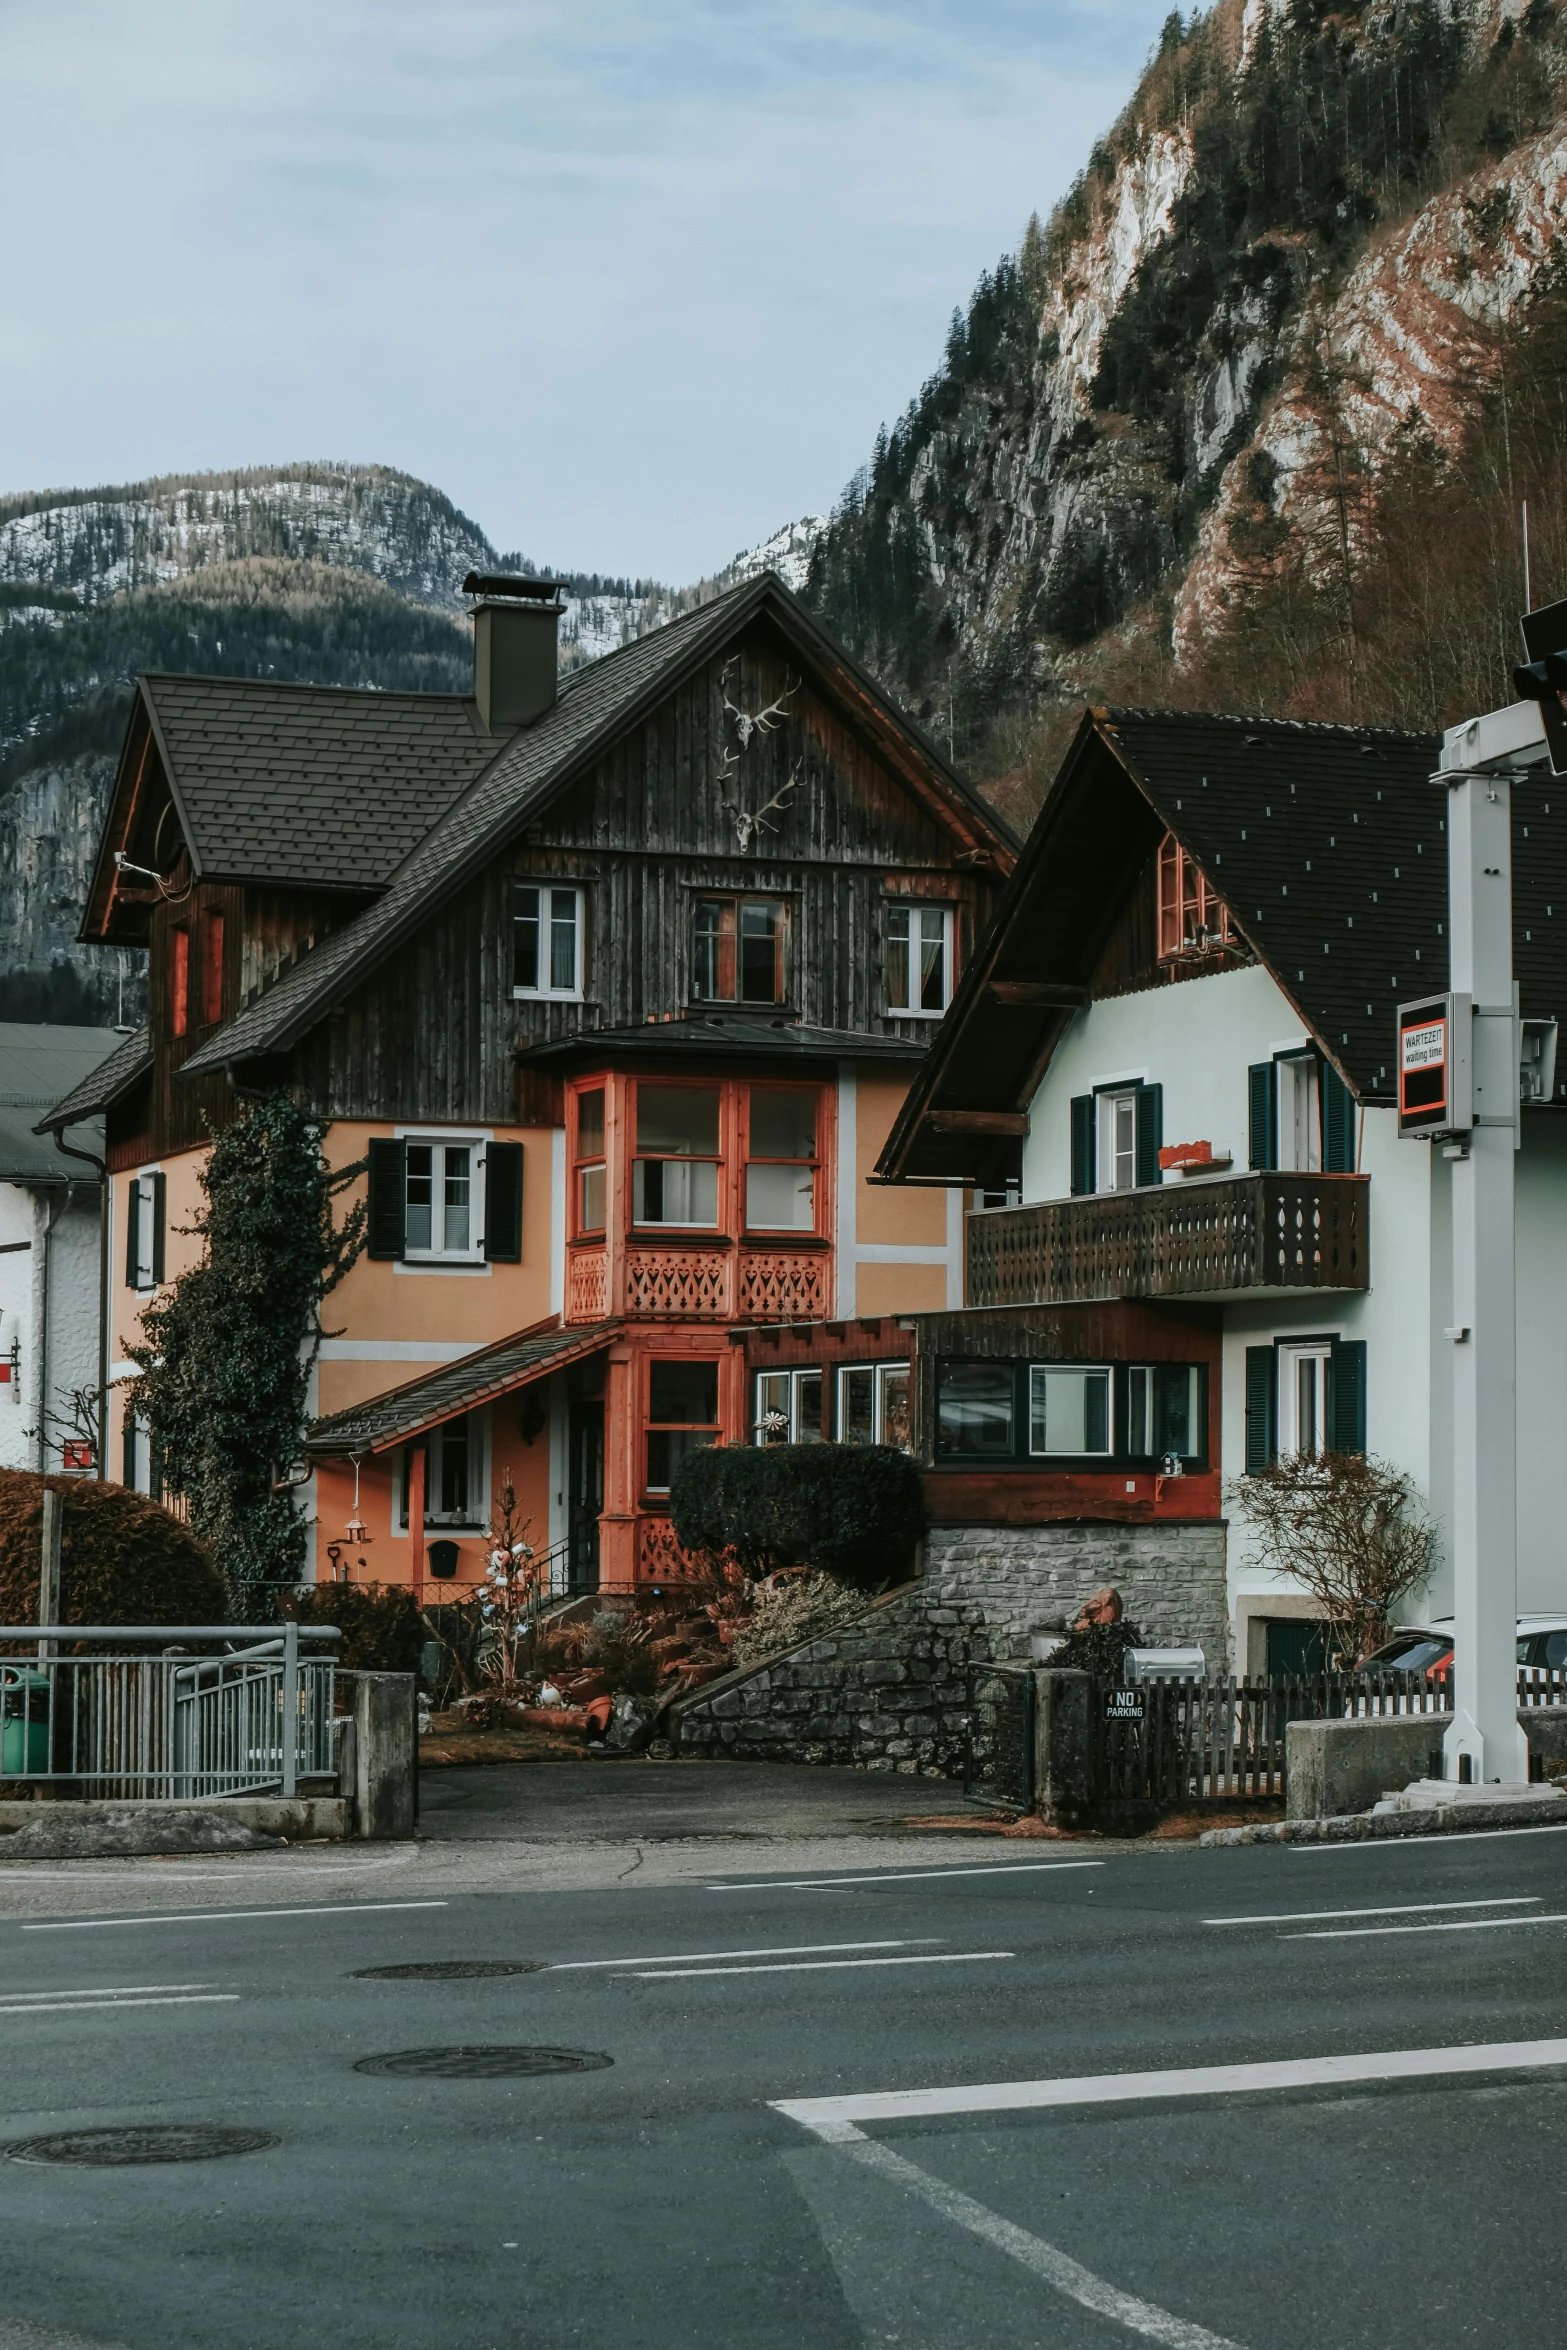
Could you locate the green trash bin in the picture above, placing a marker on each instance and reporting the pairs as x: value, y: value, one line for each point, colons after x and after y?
x: 24, y: 1722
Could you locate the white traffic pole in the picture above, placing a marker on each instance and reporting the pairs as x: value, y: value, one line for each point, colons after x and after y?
x: 1484, y: 1339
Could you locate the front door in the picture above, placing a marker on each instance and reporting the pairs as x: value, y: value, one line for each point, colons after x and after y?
x: 585, y: 1493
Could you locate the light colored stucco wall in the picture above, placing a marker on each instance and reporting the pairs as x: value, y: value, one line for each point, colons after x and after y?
x: 72, y: 1258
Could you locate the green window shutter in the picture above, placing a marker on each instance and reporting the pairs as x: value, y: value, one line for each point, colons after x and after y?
x: 132, y: 1234
x: 160, y: 1192
x: 1347, y: 1396
x: 388, y: 1198
x: 1262, y: 1395
x: 503, y: 1203
x: 154, y: 1470
x: 128, y: 1451
x: 1150, y: 1133
x: 1084, y: 1173
x: 1262, y: 1098
x: 1338, y: 1124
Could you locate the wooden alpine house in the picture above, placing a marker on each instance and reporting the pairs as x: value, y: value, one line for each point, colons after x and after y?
x: 616, y: 981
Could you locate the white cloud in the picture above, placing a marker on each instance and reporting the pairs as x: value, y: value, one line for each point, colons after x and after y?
x: 633, y: 280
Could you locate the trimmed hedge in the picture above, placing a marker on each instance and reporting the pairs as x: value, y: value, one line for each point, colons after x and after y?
x: 123, y: 1559
x: 855, y: 1511
x: 383, y: 1630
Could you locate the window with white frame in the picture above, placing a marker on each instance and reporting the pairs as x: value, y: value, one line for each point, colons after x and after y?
x: 873, y: 1404
x: 1115, y: 1160
x: 456, y: 1483
x: 789, y: 1407
x: 444, y: 1202
x: 1068, y: 1408
x: 1303, y: 1396
x: 919, y: 961
x: 546, y: 940
x: 1300, y: 1114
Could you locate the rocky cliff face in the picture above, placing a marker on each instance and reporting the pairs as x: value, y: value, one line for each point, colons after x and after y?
x: 1303, y: 237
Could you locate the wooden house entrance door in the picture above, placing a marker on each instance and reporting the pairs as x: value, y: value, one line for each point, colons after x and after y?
x: 585, y: 1490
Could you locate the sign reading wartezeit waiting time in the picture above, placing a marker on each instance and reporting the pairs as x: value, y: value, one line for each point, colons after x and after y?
x: 1433, y: 1065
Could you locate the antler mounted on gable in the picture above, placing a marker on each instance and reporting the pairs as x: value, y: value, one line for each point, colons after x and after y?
x: 747, y: 825
x: 749, y: 722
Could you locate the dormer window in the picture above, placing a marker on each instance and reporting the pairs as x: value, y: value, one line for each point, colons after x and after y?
x: 1193, y: 920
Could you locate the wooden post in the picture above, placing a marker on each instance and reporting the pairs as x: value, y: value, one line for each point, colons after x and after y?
x: 416, y: 1469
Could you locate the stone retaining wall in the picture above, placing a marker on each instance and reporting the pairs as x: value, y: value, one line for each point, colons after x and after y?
x: 889, y: 1691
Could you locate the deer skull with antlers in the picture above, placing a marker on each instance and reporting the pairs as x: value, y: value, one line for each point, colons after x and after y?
x: 749, y: 722
x: 747, y: 825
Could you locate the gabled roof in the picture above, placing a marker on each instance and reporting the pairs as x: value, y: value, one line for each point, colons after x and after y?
x: 296, y: 786
x: 36, y: 1060
x: 598, y: 703
x: 1326, y: 842
x: 716, y: 1035
x: 107, y: 1082
x: 404, y: 1412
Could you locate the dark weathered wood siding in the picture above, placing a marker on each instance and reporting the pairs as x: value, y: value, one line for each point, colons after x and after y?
x: 434, y: 1032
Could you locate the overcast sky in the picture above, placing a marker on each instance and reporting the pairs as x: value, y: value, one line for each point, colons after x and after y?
x: 633, y: 281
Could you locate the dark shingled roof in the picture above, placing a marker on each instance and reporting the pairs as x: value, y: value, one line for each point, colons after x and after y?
x: 595, y: 703
x: 107, y: 1083
x: 324, y: 786
x: 402, y: 1412
x: 716, y: 1034
x: 1326, y: 842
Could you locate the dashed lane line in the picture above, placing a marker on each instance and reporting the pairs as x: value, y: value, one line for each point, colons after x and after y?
x: 1021, y: 1868
x: 818, y: 1966
x: 568, y: 1966
x: 1393, y: 1909
x: 1555, y: 1917
x: 186, y: 1917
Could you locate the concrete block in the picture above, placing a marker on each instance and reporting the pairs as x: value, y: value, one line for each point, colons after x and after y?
x: 386, y: 1754
x: 1345, y: 1766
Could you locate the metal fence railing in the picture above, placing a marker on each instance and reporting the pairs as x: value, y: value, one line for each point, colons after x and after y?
x: 184, y: 1711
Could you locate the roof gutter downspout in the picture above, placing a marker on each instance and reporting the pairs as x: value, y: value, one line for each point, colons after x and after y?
x: 102, y: 1166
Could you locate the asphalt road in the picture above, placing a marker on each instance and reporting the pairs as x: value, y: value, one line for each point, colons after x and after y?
x: 665, y: 2199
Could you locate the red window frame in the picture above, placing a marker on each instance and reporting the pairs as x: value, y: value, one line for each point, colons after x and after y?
x: 727, y: 957
x: 1193, y: 919
x: 594, y: 1158
x: 179, y: 981
x: 714, y: 1428
x: 750, y: 1158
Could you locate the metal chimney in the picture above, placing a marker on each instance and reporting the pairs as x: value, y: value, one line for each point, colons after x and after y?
x: 514, y: 649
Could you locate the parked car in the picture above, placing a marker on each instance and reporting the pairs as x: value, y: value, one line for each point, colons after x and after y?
x: 1428, y: 1649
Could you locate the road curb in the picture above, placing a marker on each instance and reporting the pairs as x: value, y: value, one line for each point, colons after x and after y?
x: 1366, y: 1827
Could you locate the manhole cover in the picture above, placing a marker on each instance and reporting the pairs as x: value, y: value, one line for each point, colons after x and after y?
x: 447, y: 1970
x: 154, y: 2142
x: 482, y: 2064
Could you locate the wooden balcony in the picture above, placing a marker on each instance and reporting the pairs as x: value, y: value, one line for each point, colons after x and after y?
x: 1252, y: 1232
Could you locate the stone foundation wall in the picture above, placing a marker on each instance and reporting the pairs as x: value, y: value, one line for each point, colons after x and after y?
x: 889, y: 1692
x: 1172, y: 1578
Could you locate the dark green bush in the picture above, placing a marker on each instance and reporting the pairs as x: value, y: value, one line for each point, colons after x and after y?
x: 123, y: 1558
x: 854, y: 1511
x: 383, y: 1630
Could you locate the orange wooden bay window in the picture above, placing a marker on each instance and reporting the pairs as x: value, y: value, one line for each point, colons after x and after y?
x: 781, y: 1157
x: 1193, y: 919
x: 212, y: 970
x: 589, y: 1174
x: 179, y: 981
x: 682, y: 1416
x: 679, y: 1155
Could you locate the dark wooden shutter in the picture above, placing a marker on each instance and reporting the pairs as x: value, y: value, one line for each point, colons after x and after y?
x: 128, y: 1451
x: 1338, y: 1124
x: 160, y: 1191
x: 1262, y: 1397
x: 503, y: 1203
x: 1347, y: 1396
x: 132, y: 1235
x: 1262, y: 1096
x: 388, y: 1197
x: 1150, y: 1133
x: 1084, y: 1174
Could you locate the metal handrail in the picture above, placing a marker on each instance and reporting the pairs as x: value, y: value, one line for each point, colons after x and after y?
x: 164, y: 1632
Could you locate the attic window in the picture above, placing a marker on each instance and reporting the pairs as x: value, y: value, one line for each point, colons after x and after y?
x: 1193, y: 919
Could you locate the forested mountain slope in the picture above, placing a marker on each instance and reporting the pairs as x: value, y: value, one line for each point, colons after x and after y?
x: 1248, y: 422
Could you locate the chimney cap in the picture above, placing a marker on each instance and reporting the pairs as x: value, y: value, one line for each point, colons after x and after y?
x: 532, y: 591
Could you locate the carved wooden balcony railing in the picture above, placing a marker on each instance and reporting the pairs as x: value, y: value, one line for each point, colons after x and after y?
x: 692, y: 1283
x: 1262, y: 1231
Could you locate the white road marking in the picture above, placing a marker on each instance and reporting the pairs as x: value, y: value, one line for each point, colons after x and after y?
x: 106, y: 1991
x: 95, y: 2006
x: 1057, y: 2268
x: 1011, y: 1868
x: 1555, y: 1917
x: 1394, y: 1909
x: 817, y: 1966
x: 1424, y: 1843
x: 569, y: 1966
x: 828, y: 2116
x: 185, y: 1917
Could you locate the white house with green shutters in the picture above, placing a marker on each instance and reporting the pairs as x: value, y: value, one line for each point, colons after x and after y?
x: 1169, y: 1075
